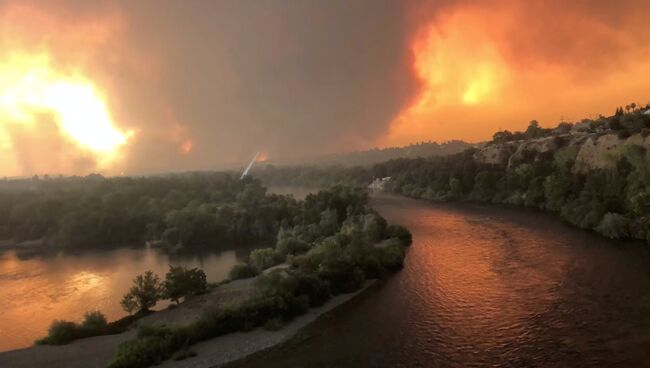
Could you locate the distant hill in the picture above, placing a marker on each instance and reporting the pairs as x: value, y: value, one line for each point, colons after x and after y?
x: 376, y: 155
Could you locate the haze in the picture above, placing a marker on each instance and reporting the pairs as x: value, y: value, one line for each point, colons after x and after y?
x: 152, y: 86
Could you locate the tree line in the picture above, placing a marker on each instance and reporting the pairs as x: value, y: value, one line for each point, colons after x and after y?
x: 198, y: 210
x: 615, y: 201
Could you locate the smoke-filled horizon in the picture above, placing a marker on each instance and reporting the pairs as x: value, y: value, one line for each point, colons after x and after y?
x: 163, y: 85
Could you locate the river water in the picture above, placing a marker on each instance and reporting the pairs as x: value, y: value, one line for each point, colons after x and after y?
x: 37, y: 290
x: 489, y: 286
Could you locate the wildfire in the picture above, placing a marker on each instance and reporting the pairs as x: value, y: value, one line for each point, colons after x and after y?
x: 30, y: 88
x: 262, y: 157
x: 459, y: 67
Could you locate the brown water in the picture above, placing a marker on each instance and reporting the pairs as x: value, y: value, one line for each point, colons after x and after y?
x: 489, y: 286
x: 35, y: 291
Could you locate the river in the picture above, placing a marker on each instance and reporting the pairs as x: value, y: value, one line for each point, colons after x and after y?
x: 488, y: 286
x: 37, y: 290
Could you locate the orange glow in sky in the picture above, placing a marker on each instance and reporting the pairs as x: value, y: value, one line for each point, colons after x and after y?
x: 31, y: 88
x: 487, y: 67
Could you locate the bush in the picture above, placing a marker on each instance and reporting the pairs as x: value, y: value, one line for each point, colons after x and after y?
x: 399, y: 232
x: 342, y: 275
x: 94, y: 323
x: 181, y: 282
x: 264, y: 258
x: 242, y: 271
x: 153, y: 346
x: 291, y: 245
x: 317, y: 290
x: 60, y: 333
x: 274, y: 324
x: 144, y: 294
x: 392, y: 257
x: 614, y: 226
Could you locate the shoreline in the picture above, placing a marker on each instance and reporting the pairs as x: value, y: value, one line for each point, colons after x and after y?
x: 235, y: 347
x: 98, y: 351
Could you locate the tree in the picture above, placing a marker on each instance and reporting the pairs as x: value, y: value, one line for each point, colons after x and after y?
x: 181, y: 282
x: 144, y: 294
x: 264, y: 258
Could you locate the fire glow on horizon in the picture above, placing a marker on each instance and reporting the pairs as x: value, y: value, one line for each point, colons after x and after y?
x: 31, y: 88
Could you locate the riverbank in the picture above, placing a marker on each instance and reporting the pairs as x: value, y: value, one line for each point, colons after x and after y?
x: 486, y: 285
x: 97, y: 352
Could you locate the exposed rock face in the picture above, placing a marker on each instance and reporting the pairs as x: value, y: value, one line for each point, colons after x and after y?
x: 496, y: 154
x: 589, y: 150
x: 603, y: 152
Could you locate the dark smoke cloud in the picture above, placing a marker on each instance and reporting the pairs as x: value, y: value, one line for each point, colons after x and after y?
x: 206, y: 84
x: 287, y: 78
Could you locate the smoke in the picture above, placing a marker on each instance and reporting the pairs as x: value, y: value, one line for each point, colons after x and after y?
x: 498, y: 64
x: 205, y: 85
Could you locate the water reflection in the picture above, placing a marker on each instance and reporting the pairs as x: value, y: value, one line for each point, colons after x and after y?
x: 490, y: 287
x: 39, y: 289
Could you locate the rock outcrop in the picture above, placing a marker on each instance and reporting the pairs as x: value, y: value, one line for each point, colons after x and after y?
x: 589, y: 150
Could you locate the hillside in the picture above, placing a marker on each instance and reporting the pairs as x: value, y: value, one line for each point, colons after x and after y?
x: 594, y: 174
x: 376, y: 155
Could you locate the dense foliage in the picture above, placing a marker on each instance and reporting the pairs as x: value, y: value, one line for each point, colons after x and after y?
x: 190, y: 210
x: 181, y: 283
x: 337, y: 243
x: 146, y: 291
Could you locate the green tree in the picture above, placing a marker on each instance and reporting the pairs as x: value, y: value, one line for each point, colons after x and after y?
x: 264, y: 258
x: 181, y: 282
x: 146, y: 291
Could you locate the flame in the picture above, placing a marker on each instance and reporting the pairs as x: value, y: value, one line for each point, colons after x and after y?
x: 30, y: 87
x: 262, y: 157
x: 458, y: 65
x: 186, y: 147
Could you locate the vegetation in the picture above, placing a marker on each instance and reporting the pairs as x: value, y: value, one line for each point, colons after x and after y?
x: 197, y: 210
x: 93, y: 324
x: 613, y: 201
x: 336, y: 244
x: 181, y: 283
x: 146, y: 291
x: 243, y: 271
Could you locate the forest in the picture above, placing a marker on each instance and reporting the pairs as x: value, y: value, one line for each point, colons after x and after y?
x: 196, y: 210
x: 613, y: 201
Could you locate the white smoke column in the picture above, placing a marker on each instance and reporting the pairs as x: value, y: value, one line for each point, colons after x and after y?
x: 250, y: 165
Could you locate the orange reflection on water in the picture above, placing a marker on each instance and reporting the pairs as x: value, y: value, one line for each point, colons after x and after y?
x: 39, y: 290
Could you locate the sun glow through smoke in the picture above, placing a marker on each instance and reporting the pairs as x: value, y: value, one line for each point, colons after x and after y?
x: 31, y: 88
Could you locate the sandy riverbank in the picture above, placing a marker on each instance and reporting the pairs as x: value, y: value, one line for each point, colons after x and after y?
x: 96, y: 352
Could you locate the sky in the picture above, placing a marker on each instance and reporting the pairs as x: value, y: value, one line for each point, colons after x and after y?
x: 132, y: 87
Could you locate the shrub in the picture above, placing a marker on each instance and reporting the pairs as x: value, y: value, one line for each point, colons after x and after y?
x: 317, y: 290
x: 291, y: 245
x: 153, y: 346
x: 94, y: 323
x: 60, y: 333
x: 274, y: 324
x: 343, y: 275
x: 392, y: 256
x: 144, y: 294
x: 399, y: 232
x: 265, y: 258
x: 181, y: 282
x: 242, y: 271
x: 614, y: 226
